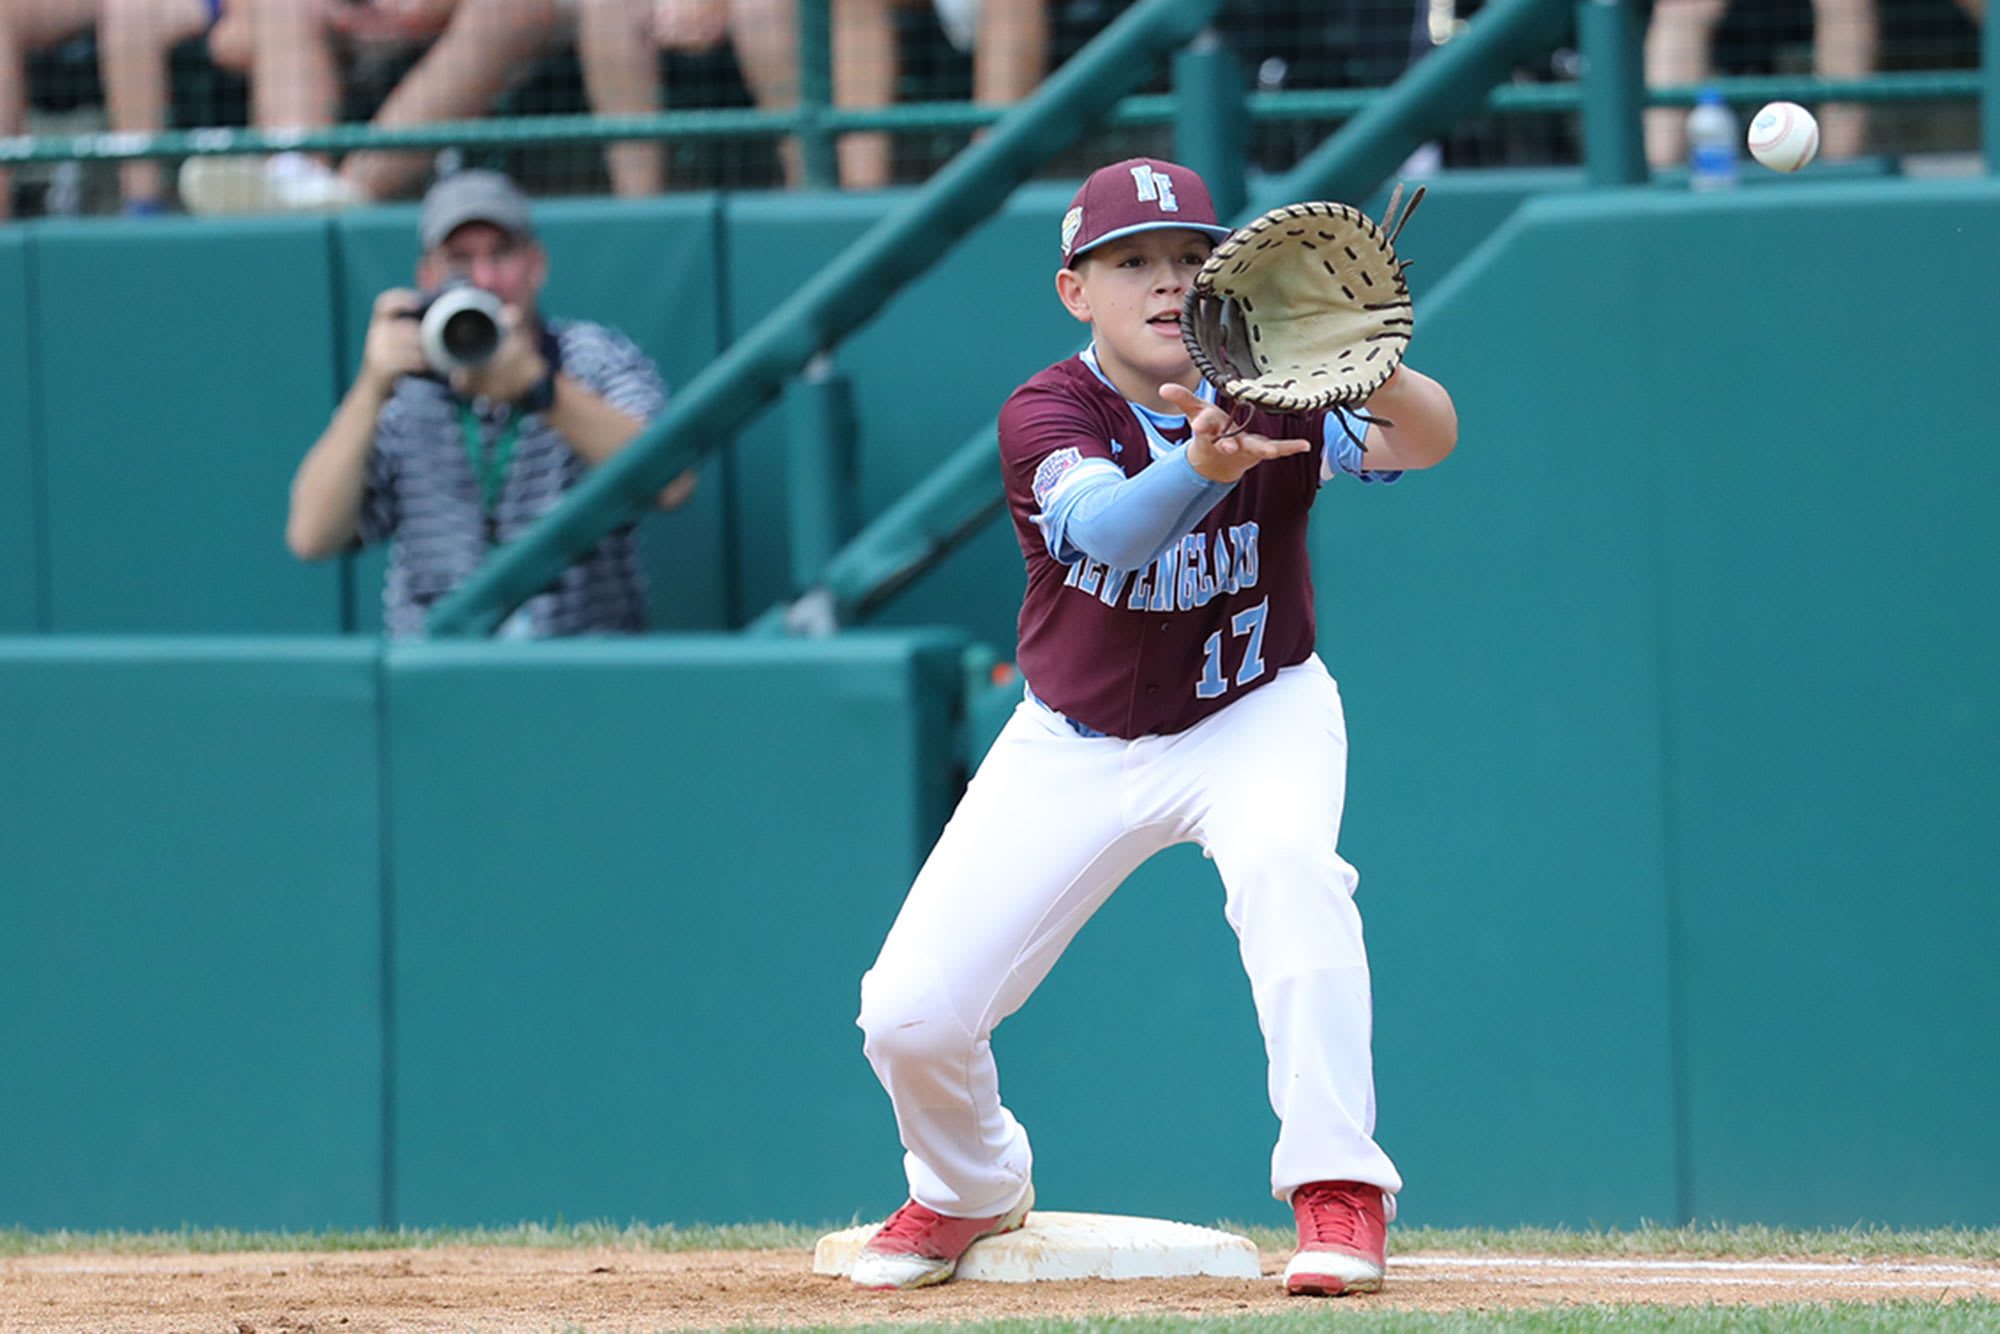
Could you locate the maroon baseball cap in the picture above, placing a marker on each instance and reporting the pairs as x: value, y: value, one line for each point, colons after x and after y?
x: 1137, y: 195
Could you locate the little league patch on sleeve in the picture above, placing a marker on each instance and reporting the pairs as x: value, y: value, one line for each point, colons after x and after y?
x: 1051, y: 471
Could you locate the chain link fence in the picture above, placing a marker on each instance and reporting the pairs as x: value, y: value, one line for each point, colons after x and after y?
x: 95, y: 67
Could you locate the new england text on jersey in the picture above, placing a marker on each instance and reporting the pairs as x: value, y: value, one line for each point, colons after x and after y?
x: 1189, y: 574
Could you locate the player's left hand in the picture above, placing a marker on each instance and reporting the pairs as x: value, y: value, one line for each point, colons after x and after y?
x: 517, y: 367
x: 1212, y: 450
x: 1415, y: 424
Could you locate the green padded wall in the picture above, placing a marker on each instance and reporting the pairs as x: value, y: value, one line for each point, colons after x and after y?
x: 190, y: 934
x: 1138, y: 1067
x: 184, y: 367
x: 636, y: 885
x: 1490, y: 624
x: 20, y: 544
x: 1460, y: 210
x: 1503, y: 814
x: 647, y: 267
x: 1835, y: 745
x: 1669, y: 714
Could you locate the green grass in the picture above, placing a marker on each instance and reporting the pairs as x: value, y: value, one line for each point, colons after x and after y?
x: 556, y: 1236
x: 1706, y: 1240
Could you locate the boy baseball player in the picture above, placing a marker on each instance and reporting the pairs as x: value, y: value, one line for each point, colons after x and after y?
x: 1173, y: 695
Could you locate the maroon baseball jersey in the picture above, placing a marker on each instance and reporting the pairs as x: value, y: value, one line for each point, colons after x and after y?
x: 1138, y: 652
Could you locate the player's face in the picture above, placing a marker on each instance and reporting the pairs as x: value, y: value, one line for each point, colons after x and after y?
x: 511, y: 267
x: 1129, y: 291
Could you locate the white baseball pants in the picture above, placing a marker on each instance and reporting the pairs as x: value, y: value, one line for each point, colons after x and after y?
x: 1049, y: 827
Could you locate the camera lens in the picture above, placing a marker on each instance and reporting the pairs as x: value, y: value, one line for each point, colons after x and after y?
x: 461, y: 328
x: 470, y: 336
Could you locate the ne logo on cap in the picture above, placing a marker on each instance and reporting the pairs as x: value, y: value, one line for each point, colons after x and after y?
x: 1136, y: 195
x: 1155, y: 185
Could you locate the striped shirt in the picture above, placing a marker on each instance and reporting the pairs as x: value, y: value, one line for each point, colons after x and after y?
x: 424, y: 497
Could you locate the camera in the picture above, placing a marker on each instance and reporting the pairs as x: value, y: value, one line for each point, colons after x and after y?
x: 459, y: 326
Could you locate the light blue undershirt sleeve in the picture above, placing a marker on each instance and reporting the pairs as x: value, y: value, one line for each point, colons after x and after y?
x: 1341, y: 454
x: 1126, y: 522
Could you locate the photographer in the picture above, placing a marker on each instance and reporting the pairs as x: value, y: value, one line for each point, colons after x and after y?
x: 471, y: 416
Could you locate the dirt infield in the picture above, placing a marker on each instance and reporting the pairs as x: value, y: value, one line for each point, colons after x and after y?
x: 536, y: 1291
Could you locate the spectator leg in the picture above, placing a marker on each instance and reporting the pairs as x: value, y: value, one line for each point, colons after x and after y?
x: 294, y: 79
x: 135, y: 39
x: 1844, y: 42
x: 866, y: 66
x: 766, y: 36
x: 621, y: 72
x: 26, y: 27
x: 229, y: 37
x: 480, y: 53
x: 1677, y: 52
x: 1013, y: 50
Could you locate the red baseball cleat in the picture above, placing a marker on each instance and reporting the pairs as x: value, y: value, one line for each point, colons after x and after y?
x: 918, y: 1246
x: 1343, y: 1234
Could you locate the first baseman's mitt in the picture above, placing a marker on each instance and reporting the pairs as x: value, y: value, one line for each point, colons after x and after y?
x: 1304, y: 309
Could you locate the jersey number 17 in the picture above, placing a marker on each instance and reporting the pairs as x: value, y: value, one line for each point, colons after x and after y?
x: 1247, y: 624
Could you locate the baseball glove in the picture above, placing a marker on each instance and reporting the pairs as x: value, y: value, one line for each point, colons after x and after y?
x: 1304, y: 309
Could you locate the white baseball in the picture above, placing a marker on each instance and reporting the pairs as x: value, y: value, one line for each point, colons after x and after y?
x: 1784, y: 136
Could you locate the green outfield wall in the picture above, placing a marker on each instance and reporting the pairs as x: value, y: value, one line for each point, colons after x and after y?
x: 175, y: 374
x: 20, y: 510
x: 191, y: 944
x: 309, y: 932
x: 1674, y: 699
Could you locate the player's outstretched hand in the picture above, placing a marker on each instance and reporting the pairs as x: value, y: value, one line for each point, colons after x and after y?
x: 1213, y: 452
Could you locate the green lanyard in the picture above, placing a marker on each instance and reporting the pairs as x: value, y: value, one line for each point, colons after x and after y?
x: 491, y: 471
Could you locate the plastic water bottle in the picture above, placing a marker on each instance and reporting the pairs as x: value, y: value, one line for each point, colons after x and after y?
x: 65, y: 196
x: 1712, y: 143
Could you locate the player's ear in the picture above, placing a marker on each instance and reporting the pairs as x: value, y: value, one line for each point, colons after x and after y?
x: 1070, y: 288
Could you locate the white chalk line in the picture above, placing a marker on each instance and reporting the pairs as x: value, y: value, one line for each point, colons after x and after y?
x: 1828, y: 1275
x: 1759, y: 1266
x: 1691, y: 1281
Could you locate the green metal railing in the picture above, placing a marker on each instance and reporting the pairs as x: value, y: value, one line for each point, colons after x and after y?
x: 1336, y: 104
x: 752, y: 370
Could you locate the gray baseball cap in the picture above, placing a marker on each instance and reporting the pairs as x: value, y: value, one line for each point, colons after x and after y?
x: 472, y: 196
